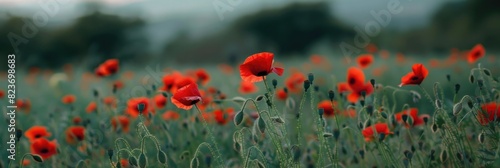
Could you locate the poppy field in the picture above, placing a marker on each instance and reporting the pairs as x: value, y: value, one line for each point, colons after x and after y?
x: 379, y: 109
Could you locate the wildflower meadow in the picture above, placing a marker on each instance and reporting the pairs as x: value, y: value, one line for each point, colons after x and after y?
x: 377, y: 109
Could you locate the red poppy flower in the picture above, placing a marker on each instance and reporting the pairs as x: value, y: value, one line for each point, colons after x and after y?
x: 77, y: 120
x: 247, y: 87
x: 317, y: 59
x: 132, y: 106
x: 107, y: 68
x: 186, y: 96
x: 181, y: 82
x: 327, y: 107
x: 110, y: 101
x: 118, y: 84
x: 124, y: 162
x: 69, y: 99
x: 123, y: 120
x: 169, y: 81
x: 170, y: 115
x: 295, y: 83
x: 202, y: 76
x: 223, y: 117
x: 416, y: 77
x: 257, y: 66
x: 44, y: 148
x: 380, y: 128
x: 160, y: 101
x: 226, y: 69
x: 413, y: 113
x: 1, y: 94
x: 26, y: 162
x: 356, y: 81
x: 343, y: 87
x: 365, y: 60
x: 349, y: 113
x: 36, y: 132
x: 371, y: 48
x: 91, y: 107
x: 281, y: 94
x: 75, y: 134
x: 476, y: 53
x: 490, y: 112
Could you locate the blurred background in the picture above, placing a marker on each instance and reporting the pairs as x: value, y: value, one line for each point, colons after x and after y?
x: 51, y: 33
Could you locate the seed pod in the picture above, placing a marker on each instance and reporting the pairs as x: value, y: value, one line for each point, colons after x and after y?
x: 307, y: 84
x: 110, y: 153
x: 275, y: 83
x: 310, y: 76
x: 448, y: 77
x: 372, y: 81
x: 331, y: 95
x: 480, y: 83
x: 362, y: 103
x: 321, y: 112
x: 140, y: 107
x: 362, y: 153
x: 457, y: 88
x: 19, y: 134
x: 316, y: 88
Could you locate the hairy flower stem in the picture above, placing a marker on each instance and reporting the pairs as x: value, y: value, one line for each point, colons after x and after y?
x: 218, y: 155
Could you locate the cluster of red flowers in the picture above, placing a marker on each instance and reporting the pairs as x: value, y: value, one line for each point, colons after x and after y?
x: 107, y: 68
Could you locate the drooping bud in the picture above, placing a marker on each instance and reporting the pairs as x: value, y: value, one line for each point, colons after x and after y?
x: 307, y: 84
x: 372, y: 81
x: 457, y: 108
x: 238, y: 118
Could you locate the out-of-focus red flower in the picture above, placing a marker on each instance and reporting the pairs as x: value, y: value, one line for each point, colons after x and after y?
x: 36, y: 132
x: 371, y: 48
x: 416, y: 77
x: 44, y: 148
x: 23, y: 104
x: 118, y: 84
x: 122, y: 120
x: 186, y: 96
x: 413, y: 114
x: 170, y: 115
x: 133, y: 104
x: 107, y: 68
x: 476, y: 53
x: 489, y: 112
x: 365, y: 60
x: 370, y: 132
x: 110, y: 101
x: 222, y: 117
x: 170, y: 80
x: 356, y: 81
x: 77, y: 120
x: 257, y: 66
x: 75, y: 134
x: 247, y: 87
x: 160, y: 101
x: 281, y: 94
x: 343, y: 87
x: 91, y: 107
x: 328, y: 108
x: 2, y: 94
x: 317, y: 59
x: 202, y: 76
x: 295, y: 83
x: 69, y: 99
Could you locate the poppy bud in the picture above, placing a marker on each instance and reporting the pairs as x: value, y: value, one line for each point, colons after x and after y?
x: 110, y: 153
x: 362, y: 153
x: 275, y: 83
x: 431, y: 156
x: 362, y: 103
x: 164, y: 94
x: 457, y: 88
x: 278, y: 120
x: 96, y: 93
x: 471, y: 78
x: 372, y: 81
x: 115, y: 88
x: 438, y: 103
x: 261, y: 125
x: 307, y: 84
x: 480, y: 137
x: 310, y: 76
x: 336, y: 134
x: 19, y: 134
x: 406, y: 162
x: 459, y: 156
x: 316, y: 88
x: 153, y: 87
x: 368, y: 123
x: 404, y: 117
x: 162, y: 157
x: 381, y: 137
x: 457, y: 108
x: 363, y: 93
x: 426, y: 119
x: 327, y: 135
x: 413, y: 148
x: 408, y: 154
x: 208, y: 160
x: 296, y: 153
x: 443, y: 156
x: 487, y: 72
x: 132, y: 161
x: 331, y: 95
x: 259, y: 98
x: 448, y: 77
x: 470, y: 104
x: 238, y: 118
x: 37, y: 158
x: 480, y: 83
x: 384, y: 115
x: 434, y: 128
